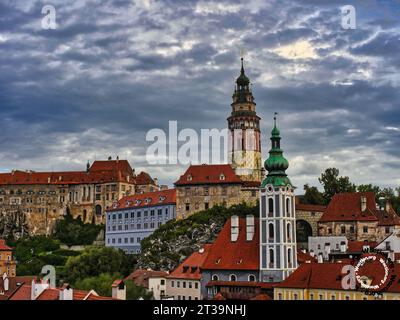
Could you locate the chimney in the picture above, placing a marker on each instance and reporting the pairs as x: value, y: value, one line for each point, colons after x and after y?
x: 249, y: 227
x: 155, y: 181
x: 118, y: 290
x: 342, y: 246
x: 5, y: 282
x: 88, y: 166
x: 363, y: 203
x: 234, y: 228
x: 38, y: 288
x: 66, y: 292
x: 328, y: 248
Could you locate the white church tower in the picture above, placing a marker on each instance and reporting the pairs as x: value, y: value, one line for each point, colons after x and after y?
x: 278, y: 252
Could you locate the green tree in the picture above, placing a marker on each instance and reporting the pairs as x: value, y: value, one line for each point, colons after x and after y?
x: 134, y: 292
x: 333, y: 184
x: 369, y: 188
x: 95, y: 261
x: 74, y: 232
x: 101, y: 283
x: 312, y: 195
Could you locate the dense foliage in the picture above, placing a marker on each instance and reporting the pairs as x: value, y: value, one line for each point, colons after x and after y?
x: 176, y: 240
x: 72, y: 231
x: 35, y: 252
x: 94, y: 261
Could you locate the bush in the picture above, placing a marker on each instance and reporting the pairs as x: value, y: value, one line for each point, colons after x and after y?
x: 95, y: 261
x: 74, y: 232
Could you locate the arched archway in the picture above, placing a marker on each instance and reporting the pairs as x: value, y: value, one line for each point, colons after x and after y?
x: 98, y: 210
x: 303, y: 231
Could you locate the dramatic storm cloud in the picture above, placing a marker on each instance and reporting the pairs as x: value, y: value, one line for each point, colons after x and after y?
x: 113, y: 70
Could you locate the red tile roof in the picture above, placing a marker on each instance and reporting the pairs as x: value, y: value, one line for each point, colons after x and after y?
x: 208, y: 174
x: 310, y: 207
x: 239, y: 255
x: 99, y: 172
x: 262, y: 296
x: 329, y: 276
x: 357, y: 246
x: 148, y: 199
x: 143, y: 178
x: 3, y: 246
x: 24, y: 293
x: 13, y: 284
x: 141, y: 276
x: 303, y: 257
x: 190, y: 268
x: 265, y: 285
x: 347, y: 207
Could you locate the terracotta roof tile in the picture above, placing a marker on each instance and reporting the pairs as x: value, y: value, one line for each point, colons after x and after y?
x: 239, y: 255
x: 3, y: 246
x: 141, y: 276
x: 143, y: 178
x: 208, y: 174
x: 347, y: 207
x: 148, y: 199
x: 310, y: 207
x: 190, y: 268
x: 100, y: 172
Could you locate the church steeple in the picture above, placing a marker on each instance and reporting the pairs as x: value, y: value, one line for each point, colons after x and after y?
x: 278, y: 249
x: 244, y: 126
x: 276, y: 164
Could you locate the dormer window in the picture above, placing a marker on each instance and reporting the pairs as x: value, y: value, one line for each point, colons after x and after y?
x: 148, y: 200
x: 161, y: 198
x: 189, y: 177
x: 137, y: 202
x: 221, y: 177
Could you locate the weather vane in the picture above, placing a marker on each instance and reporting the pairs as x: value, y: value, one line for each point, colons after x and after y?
x: 275, y: 114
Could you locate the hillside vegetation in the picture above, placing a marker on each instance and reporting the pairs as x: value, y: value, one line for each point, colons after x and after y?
x: 173, y: 242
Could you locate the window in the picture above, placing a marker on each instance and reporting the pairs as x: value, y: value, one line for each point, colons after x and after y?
x: 343, y: 229
x: 270, y: 231
x: 271, y: 257
x: 279, y: 296
x: 330, y: 230
x: 162, y: 282
x: 321, y: 297
x: 184, y: 284
x: 289, y: 257
x: 270, y: 206
x: 206, y: 205
x: 289, y: 234
x: 351, y: 229
x: 172, y: 283
x: 190, y: 285
x: 214, y: 278
x: 333, y: 297
x: 232, y: 277
x: 387, y: 230
x: 206, y: 191
x: 311, y: 296
x: 252, y: 278
x: 288, y: 207
x: 295, y: 296
x: 365, y: 229
x: 187, y: 206
x: 196, y: 285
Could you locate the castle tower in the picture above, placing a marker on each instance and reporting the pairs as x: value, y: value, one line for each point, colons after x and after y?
x: 278, y: 251
x: 244, y: 132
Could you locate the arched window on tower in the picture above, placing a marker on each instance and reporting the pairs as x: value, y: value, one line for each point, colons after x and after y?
x: 289, y: 259
x: 288, y: 231
x: 271, y: 258
x: 270, y: 231
x: 288, y: 207
x: 270, y: 207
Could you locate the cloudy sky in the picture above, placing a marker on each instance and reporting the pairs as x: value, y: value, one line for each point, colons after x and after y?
x: 113, y: 70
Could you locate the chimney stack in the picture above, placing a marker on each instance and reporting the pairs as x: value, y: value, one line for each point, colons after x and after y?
x: 66, y: 292
x: 249, y: 227
x: 118, y: 290
x: 5, y: 282
x: 234, y: 228
x: 38, y: 288
x: 363, y: 203
x: 343, y: 246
